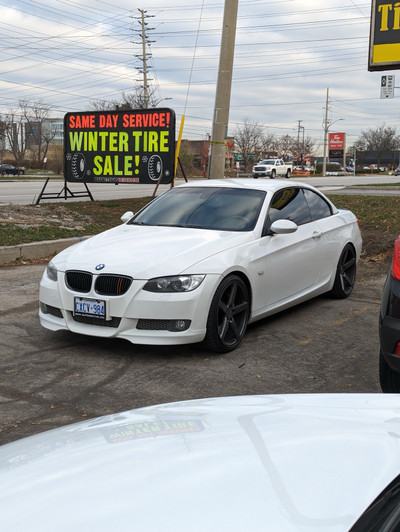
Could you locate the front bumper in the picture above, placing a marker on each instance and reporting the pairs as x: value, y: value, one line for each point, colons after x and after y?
x: 138, y: 316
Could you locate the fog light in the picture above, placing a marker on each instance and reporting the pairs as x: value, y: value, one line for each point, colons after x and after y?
x: 43, y: 308
x: 178, y: 325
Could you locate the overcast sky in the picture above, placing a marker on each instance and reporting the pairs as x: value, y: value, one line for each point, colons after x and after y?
x: 68, y: 53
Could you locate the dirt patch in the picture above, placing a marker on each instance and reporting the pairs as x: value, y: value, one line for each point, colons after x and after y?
x: 51, y: 215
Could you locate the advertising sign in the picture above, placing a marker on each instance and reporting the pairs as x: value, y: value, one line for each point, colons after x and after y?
x: 336, y: 145
x: 384, y: 42
x: 135, y: 146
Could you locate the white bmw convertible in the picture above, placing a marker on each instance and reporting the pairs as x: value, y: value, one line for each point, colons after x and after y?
x: 202, y: 261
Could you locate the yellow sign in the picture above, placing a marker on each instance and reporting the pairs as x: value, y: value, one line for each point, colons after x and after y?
x: 384, y: 45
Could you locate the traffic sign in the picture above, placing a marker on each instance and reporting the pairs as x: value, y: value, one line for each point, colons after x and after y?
x: 387, y: 87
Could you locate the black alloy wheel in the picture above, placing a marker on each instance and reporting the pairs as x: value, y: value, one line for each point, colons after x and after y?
x: 345, y: 273
x: 228, y: 315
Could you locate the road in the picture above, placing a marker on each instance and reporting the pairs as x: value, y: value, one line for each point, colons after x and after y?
x: 26, y: 191
x: 51, y: 379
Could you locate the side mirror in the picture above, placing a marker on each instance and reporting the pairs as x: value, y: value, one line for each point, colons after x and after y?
x: 127, y: 216
x: 283, y: 227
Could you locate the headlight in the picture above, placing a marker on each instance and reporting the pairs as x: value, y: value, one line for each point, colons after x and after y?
x: 177, y: 283
x: 51, y: 271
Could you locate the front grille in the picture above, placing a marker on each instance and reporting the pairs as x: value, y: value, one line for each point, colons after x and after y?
x: 78, y: 281
x: 89, y: 320
x: 112, y: 285
x: 152, y: 325
x: 105, y: 284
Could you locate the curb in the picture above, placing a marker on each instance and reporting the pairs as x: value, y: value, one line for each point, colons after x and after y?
x: 36, y: 250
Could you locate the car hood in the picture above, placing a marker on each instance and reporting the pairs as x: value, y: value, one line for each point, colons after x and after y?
x: 278, y: 462
x: 147, y: 251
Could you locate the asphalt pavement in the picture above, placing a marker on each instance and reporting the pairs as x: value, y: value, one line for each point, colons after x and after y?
x: 49, y: 379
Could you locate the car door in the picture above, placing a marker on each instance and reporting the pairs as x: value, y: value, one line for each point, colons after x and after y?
x: 331, y: 232
x: 293, y: 262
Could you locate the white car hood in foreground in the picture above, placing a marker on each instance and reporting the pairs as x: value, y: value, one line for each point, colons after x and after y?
x: 147, y: 251
x: 257, y: 463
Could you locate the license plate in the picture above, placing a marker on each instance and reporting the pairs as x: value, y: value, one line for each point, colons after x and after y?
x: 84, y: 306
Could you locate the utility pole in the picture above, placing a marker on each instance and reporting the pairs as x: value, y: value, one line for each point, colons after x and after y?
x: 143, y: 57
x: 216, y: 165
x: 298, y: 130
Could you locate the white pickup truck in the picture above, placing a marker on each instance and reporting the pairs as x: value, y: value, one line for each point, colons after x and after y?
x: 272, y: 168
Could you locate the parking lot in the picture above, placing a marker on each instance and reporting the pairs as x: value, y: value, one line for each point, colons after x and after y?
x: 50, y: 379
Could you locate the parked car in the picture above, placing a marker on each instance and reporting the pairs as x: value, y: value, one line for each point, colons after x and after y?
x: 272, y: 168
x: 397, y: 171
x: 9, y: 169
x: 389, y: 327
x: 201, y: 261
x: 315, y: 463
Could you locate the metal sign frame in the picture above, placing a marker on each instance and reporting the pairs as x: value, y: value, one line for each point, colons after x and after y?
x: 384, y: 41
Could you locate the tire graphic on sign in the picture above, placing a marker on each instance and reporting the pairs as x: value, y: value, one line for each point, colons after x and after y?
x: 78, y: 165
x: 155, y: 167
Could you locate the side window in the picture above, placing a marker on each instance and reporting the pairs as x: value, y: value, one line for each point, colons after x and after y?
x: 288, y: 204
x: 318, y: 206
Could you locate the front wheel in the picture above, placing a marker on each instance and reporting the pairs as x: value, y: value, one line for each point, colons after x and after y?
x: 273, y: 174
x: 389, y: 379
x: 288, y: 173
x: 345, y: 273
x: 228, y: 315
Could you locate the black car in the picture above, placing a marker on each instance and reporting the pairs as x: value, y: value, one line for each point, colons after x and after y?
x: 389, y: 327
x: 9, y: 169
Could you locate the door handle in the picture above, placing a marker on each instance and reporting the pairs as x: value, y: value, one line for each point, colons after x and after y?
x: 317, y: 234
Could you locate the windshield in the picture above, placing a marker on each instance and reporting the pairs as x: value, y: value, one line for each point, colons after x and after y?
x: 269, y: 161
x: 219, y: 208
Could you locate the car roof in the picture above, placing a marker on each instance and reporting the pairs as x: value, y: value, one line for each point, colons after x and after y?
x: 270, y: 462
x: 269, y: 185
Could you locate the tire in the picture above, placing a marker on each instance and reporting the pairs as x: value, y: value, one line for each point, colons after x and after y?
x: 155, y: 167
x: 345, y: 274
x: 273, y: 174
x: 288, y: 173
x: 389, y: 379
x: 228, y: 315
x: 78, y: 166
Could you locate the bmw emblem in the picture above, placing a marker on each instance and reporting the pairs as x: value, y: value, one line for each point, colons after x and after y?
x: 100, y: 266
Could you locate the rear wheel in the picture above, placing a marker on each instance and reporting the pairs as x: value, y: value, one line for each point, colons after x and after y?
x: 345, y: 273
x: 228, y: 315
x: 288, y: 173
x: 389, y: 379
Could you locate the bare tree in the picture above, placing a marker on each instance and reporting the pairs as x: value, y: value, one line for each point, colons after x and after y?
x: 269, y: 143
x: 38, y: 130
x: 249, y: 138
x: 15, y: 134
x: 129, y: 100
x: 286, y: 146
x: 380, y: 140
x: 103, y: 105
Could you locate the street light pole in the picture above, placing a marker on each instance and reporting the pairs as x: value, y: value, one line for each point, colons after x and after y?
x: 327, y: 125
x: 325, y: 132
